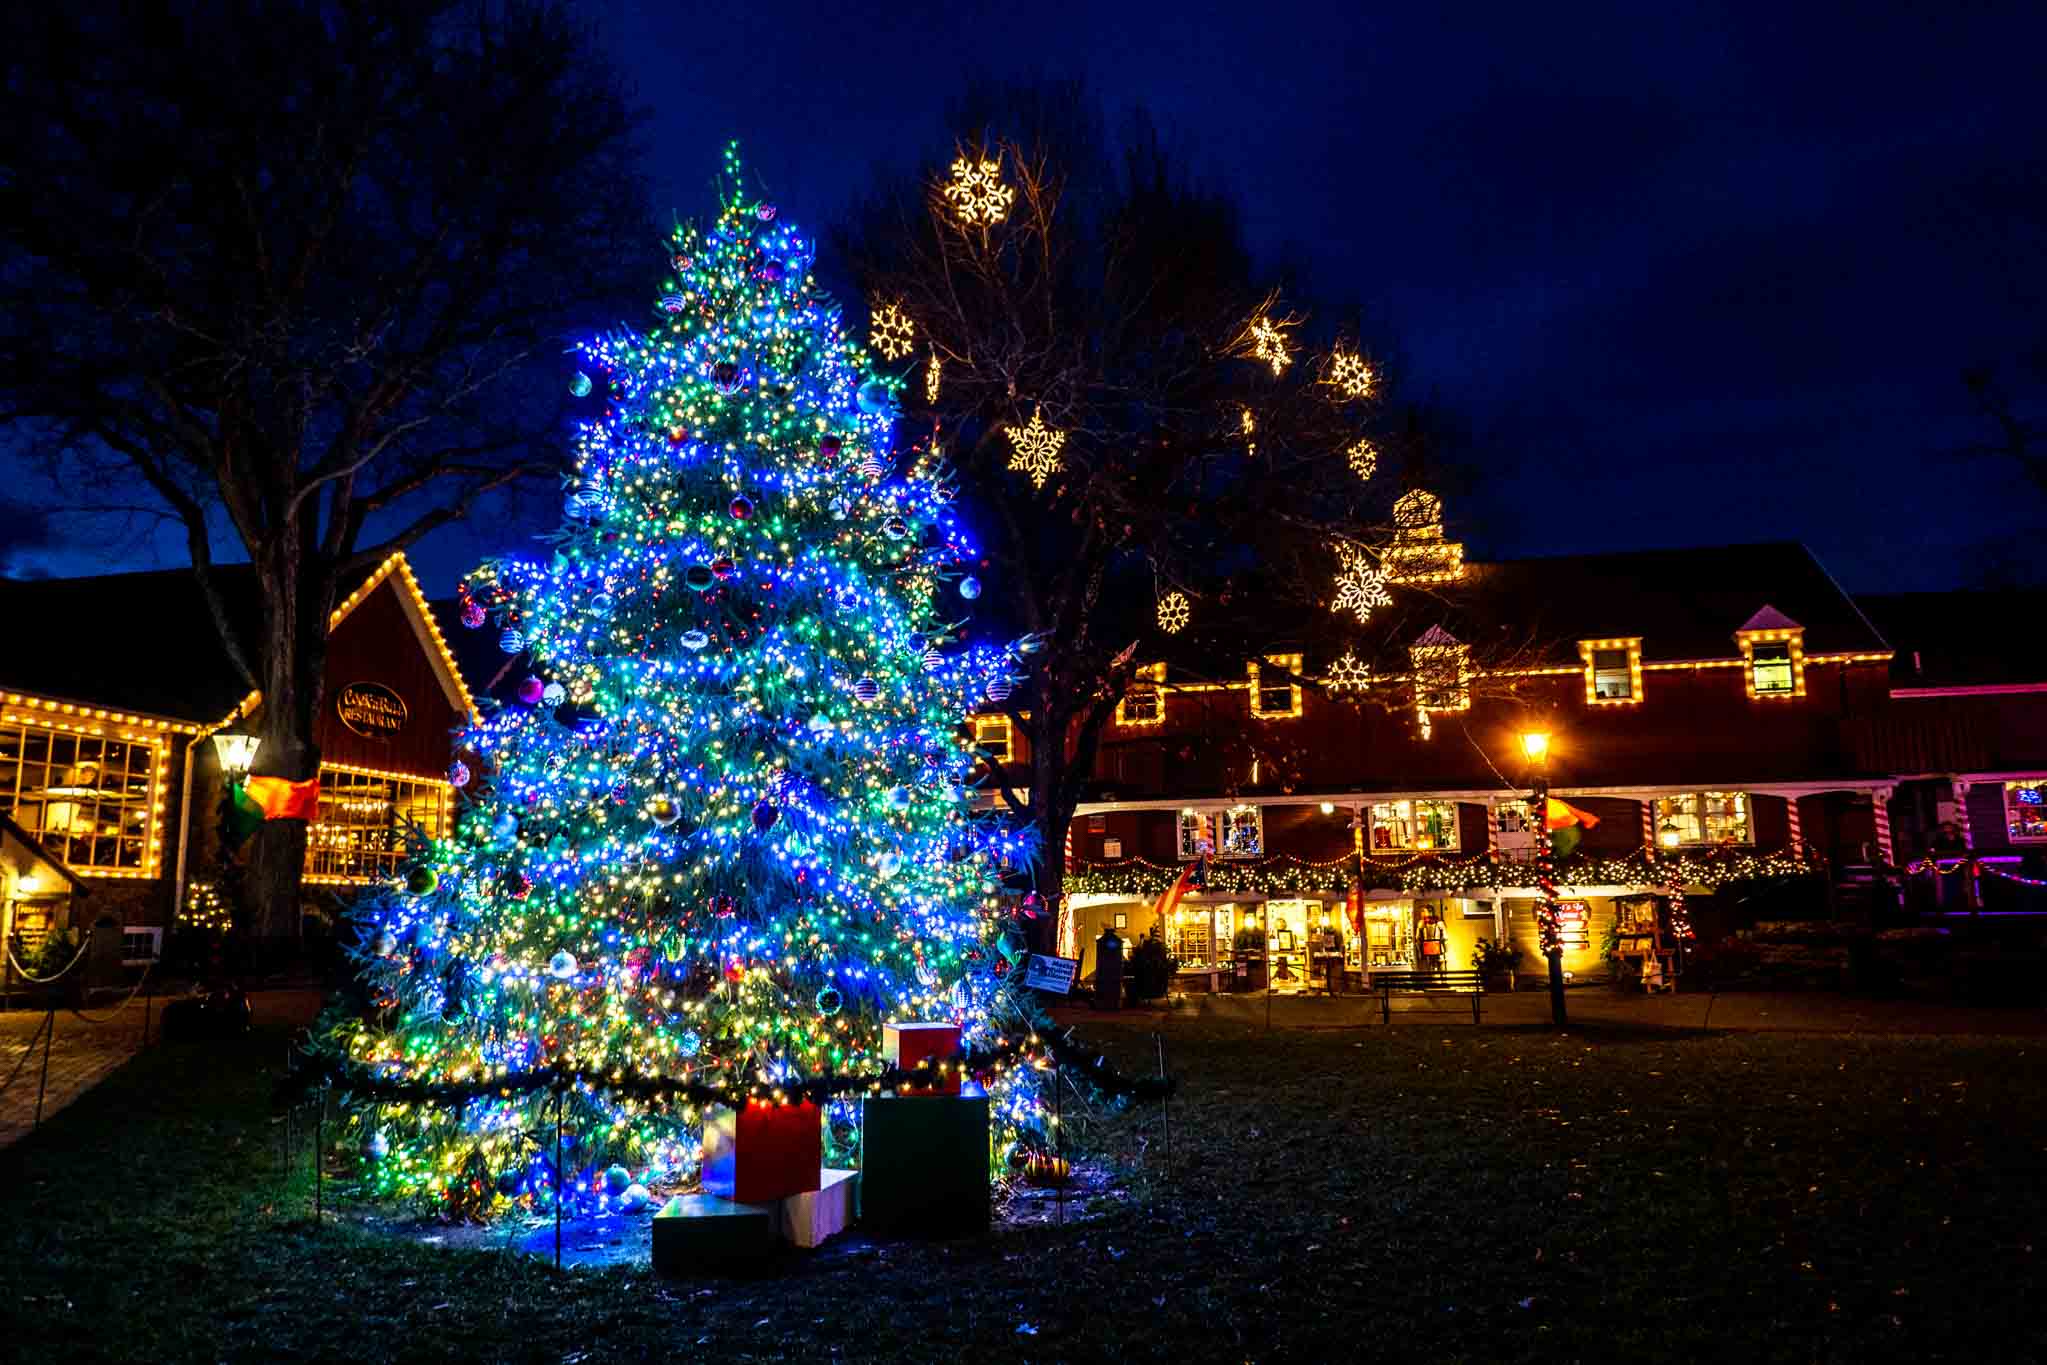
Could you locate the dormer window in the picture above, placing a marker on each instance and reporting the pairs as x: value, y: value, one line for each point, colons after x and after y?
x: 1613, y: 670
x: 1279, y: 697
x: 1773, y: 654
x: 1142, y: 702
x: 991, y: 736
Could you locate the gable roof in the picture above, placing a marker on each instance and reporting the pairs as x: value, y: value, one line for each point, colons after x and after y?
x: 1968, y: 638
x: 146, y: 642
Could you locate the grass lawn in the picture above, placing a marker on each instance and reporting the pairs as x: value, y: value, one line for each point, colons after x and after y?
x: 1427, y: 1191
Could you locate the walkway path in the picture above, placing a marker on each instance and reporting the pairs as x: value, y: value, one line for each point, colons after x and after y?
x: 84, y: 1053
x: 1740, y: 1011
x: 81, y: 1054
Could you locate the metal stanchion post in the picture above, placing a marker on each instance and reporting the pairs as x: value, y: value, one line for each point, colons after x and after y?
x: 43, y: 1083
x: 560, y: 1186
x: 319, y: 1170
x: 1165, y: 1104
x: 1058, y: 1144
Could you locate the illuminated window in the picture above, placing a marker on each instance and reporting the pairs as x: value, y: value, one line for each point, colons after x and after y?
x: 1704, y: 818
x: 1196, y: 841
x: 1143, y: 703
x: 1243, y: 832
x: 366, y: 820
x: 1414, y: 826
x: 2025, y: 808
x: 1613, y: 670
x: 1770, y: 667
x: 1279, y: 698
x: 1773, y: 654
x: 90, y: 801
x: 991, y: 735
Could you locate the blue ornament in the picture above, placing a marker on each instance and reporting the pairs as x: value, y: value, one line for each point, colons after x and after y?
x: 616, y: 1179
x: 511, y: 641
x: 829, y: 1000
x: 970, y: 588
x: 602, y: 605
x: 875, y: 399
x: 694, y: 640
x: 562, y: 965
x: 505, y: 828
x: 380, y: 1146
x: 899, y: 797
x: 689, y: 1044
x: 765, y: 815
x: 580, y: 386
x: 635, y: 1198
x: 867, y: 690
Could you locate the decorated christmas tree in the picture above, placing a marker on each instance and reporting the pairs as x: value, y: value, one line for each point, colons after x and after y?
x: 723, y: 833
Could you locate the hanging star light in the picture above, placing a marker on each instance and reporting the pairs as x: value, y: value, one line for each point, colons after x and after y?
x: 1364, y: 459
x: 1268, y: 343
x: 1351, y: 375
x: 1174, y: 612
x: 1035, y: 448
x: 1360, y: 586
x: 891, y: 332
x: 931, y: 373
x: 1349, y: 674
x: 978, y: 196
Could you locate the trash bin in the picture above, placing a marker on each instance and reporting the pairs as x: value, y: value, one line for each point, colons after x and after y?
x: 1108, y: 971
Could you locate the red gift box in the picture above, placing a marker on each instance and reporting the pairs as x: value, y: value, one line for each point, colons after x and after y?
x: 763, y: 1151
x: 904, y: 1045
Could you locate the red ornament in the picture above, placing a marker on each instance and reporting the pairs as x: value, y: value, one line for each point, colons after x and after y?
x: 472, y: 614
x: 722, y: 566
x: 742, y: 507
x: 531, y: 690
x: 517, y: 885
x: 830, y: 446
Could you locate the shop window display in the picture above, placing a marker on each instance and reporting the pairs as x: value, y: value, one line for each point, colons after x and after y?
x: 365, y: 819
x: 87, y: 798
x: 2025, y: 805
x: 1414, y: 826
x: 1707, y: 818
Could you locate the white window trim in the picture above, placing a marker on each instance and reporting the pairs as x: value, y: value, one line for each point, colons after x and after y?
x: 1794, y: 638
x: 1454, y: 845
x: 1155, y: 676
x: 155, y: 944
x: 987, y: 728
x: 1748, y: 801
x: 1292, y: 663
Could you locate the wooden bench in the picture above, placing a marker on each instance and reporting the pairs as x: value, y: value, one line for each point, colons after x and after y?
x: 1471, y: 983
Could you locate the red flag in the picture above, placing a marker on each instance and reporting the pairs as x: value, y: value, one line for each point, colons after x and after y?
x: 1169, y: 899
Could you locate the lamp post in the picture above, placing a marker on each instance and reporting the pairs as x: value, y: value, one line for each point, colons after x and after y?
x: 1535, y: 745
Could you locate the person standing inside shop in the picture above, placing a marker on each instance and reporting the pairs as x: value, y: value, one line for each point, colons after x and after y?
x: 1431, y: 942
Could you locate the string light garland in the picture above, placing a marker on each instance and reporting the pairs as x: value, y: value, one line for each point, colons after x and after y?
x: 976, y: 192
x: 729, y: 835
x: 933, y: 369
x: 1034, y: 448
x: 891, y: 332
x: 1350, y: 374
x: 1360, y: 584
x: 1174, y: 612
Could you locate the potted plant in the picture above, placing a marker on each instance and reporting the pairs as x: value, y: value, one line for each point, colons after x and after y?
x: 1249, y: 949
x: 1497, y: 960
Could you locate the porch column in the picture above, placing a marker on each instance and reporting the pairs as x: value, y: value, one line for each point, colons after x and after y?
x: 1648, y: 805
x: 1960, y: 787
x: 1880, y: 804
x: 1794, y: 836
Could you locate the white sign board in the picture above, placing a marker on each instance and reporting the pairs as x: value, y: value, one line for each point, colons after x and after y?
x: 1055, y: 974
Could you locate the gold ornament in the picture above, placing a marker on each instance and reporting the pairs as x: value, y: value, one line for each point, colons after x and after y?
x: 1035, y: 448
x: 891, y: 332
x: 1360, y: 586
x: 1174, y: 612
x: 978, y: 196
x: 1349, y: 674
x: 1364, y: 459
x: 1351, y: 375
x: 1268, y: 343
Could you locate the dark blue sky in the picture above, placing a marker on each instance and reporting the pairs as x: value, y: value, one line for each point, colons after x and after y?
x: 1693, y: 274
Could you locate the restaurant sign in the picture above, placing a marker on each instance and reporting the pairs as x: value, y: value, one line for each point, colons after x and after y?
x: 371, y: 709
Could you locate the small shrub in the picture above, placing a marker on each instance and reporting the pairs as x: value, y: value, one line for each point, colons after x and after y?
x: 1491, y: 955
x: 1151, y: 970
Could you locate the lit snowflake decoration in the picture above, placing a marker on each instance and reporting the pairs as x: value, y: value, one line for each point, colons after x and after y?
x: 1268, y: 343
x: 1035, y: 448
x: 891, y: 332
x: 1360, y: 586
x: 1174, y: 612
x: 1364, y: 459
x: 978, y: 196
x: 1349, y: 674
x: 931, y: 373
x: 1351, y: 375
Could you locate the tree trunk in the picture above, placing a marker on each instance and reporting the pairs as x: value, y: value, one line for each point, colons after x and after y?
x: 296, y: 602
x: 1052, y: 814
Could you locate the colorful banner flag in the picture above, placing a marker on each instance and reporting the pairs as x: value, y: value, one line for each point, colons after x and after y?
x: 1567, y: 825
x: 280, y: 798
x: 1169, y: 899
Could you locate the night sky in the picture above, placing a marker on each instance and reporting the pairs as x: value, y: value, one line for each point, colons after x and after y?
x: 1691, y: 274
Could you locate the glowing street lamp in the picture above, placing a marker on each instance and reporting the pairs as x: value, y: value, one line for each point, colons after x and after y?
x: 237, y: 753
x: 1535, y: 745
x: 1668, y: 834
